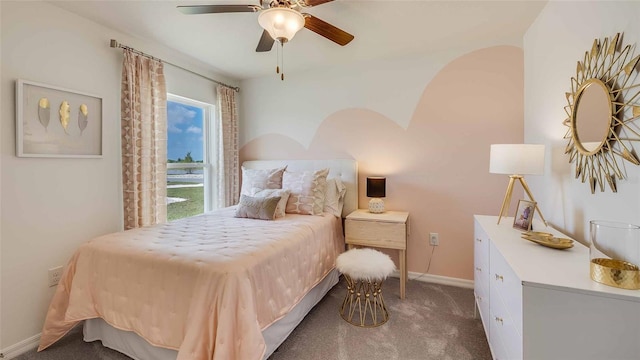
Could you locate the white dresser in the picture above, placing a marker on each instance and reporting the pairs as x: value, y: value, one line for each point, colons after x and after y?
x: 538, y: 303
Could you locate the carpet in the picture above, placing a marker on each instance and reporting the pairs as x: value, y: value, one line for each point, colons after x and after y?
x: 433, y: 322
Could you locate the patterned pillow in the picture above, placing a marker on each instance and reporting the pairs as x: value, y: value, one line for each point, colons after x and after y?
x: 282, y: 204
x: 334, y: 197
x: 307, y: 191
x: 261, y: 178
x: 257, y: 208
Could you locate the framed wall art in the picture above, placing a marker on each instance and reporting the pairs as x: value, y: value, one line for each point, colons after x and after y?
x: 56, y: 122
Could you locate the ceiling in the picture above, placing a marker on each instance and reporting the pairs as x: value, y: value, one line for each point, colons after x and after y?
x: 382, y: 29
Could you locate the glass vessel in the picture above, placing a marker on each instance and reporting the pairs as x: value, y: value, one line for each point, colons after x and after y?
x: 615, y: 254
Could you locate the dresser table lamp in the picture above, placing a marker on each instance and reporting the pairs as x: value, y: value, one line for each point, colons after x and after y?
x: 376, y: 190
x: 517, y: 160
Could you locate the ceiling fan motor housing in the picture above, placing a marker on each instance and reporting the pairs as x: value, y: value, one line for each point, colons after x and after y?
x: 282, y: 23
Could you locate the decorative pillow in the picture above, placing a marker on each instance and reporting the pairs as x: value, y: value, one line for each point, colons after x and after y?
x: 257, y: 208
x: 334, y: 197
x: 261, y: 178
x: 283, y: 193
x: 307, y: 191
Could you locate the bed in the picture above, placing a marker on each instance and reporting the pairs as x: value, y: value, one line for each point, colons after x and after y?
x: 208, y: 287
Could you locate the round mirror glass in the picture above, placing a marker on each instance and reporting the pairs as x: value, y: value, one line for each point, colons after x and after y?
x: 592, y: 116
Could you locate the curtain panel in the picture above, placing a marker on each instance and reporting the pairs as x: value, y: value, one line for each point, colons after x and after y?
x: 144, y: 141
x: 227, y: 167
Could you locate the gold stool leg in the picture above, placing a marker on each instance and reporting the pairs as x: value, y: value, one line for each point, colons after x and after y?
x: 365, y: 297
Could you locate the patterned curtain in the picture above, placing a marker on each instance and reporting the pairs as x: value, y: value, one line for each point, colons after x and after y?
x: 144, y: 141
x: 228, y: 168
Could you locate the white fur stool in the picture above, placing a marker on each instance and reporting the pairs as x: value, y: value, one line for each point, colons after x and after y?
x: 364, y: 270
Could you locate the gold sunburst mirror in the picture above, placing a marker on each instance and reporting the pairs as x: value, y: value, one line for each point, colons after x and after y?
x: 602, y: 107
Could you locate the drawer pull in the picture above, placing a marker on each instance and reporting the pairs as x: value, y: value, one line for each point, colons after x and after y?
x: 499, y: 277
x: 478, y: 269
x: 499, y: 320
x: 478, y: 240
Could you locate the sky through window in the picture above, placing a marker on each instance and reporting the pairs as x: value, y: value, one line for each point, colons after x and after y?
x: 185, y: 131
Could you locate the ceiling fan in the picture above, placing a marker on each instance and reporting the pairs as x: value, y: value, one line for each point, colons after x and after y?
x: 281, y: 20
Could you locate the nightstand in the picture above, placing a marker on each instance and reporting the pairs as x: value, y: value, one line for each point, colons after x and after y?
x: 388, y: 230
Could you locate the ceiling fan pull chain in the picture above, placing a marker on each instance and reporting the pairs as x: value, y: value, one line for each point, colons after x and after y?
x: 282, y: 62
x: 277, y: 60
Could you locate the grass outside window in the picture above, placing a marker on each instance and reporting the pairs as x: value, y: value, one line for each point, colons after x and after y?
x: 193, y: 205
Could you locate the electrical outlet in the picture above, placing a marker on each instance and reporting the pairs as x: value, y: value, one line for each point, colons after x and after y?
x: 433, y: 239
x: 54, y: 275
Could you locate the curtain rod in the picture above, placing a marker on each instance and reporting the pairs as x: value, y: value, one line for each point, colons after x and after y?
x: 116, y: 44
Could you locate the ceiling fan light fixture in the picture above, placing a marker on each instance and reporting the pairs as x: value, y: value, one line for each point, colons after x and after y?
x: 281, y: 23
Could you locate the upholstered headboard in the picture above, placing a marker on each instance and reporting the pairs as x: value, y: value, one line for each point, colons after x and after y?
x: 345, y: 169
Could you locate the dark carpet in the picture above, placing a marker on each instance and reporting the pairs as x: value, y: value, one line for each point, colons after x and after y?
x: 433, y: 322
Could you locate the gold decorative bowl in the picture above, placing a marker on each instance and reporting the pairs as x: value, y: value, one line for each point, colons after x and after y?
x: 549, y: 241
x: 617, y: 273
x: 538, y: 234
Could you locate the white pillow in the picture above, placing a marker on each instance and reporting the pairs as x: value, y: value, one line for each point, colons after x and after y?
x: 307, y: 191
x: 261, y: 178
x: 334, y: 197
x: 282, y: 193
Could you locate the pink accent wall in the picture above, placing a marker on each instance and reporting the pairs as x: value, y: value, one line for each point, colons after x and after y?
x: 438, y: 168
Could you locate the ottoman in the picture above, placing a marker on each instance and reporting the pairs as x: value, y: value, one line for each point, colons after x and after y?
x: 364, y: 271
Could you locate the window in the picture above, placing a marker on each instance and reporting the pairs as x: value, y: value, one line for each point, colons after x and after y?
x: 189, y: 157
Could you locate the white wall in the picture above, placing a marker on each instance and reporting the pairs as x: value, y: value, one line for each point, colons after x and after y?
x: 553, y: 45
x: 274, y: 106
x: 50, y: 206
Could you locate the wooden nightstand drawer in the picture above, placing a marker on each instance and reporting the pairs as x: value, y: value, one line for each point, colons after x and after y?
x: 387, y: 235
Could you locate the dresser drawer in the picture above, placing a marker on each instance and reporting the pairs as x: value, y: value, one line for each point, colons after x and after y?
x: 481, y: 262
x: 481, y: 288
x: 504, y: 326
x: 507, y: 286
x: 482, y: 301
x: 498, y: 350
x: 480, y: 241
x: 386, y: 234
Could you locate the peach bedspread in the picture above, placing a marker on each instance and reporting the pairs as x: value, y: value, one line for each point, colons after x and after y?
x: 205, y: 286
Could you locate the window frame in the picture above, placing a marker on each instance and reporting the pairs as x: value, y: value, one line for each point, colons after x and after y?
x: 208, y: 133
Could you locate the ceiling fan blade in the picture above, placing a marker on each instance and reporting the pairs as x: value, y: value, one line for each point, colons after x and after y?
x: 212, y: 9
x: 266, y: 42
x: 327, y: 30
x: 316, y: 2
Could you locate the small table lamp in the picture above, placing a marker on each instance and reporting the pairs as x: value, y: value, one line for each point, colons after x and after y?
x: 517, y: 160
x: 376, y: 190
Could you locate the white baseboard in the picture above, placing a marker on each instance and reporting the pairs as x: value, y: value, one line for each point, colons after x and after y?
x: 20, y: 348
x: 437, y: 279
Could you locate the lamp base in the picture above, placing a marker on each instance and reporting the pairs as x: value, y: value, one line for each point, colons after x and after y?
x: 507, y: 198
x: 376, y: 206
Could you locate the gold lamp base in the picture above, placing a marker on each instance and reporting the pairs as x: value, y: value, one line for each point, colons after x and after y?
x: 504, y: 210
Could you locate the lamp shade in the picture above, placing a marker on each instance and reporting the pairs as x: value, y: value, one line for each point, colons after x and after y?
x: 517, y: 159
x: 376, y: 186
x: 281, y: 23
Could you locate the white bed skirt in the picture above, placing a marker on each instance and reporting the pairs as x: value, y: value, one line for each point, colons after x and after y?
x: 134, y: 346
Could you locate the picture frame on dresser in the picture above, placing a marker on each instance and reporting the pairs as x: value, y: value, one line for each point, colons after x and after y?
x: 524, y: 215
